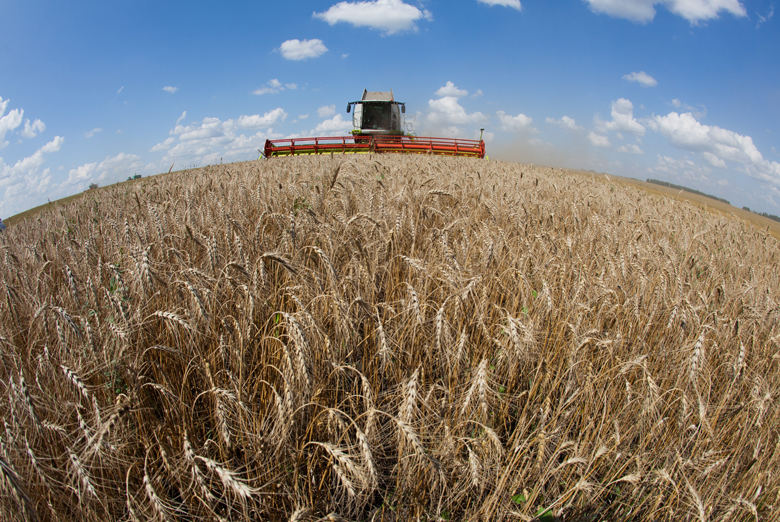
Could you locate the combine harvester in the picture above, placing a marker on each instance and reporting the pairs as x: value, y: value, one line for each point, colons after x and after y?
x: 379, y: 125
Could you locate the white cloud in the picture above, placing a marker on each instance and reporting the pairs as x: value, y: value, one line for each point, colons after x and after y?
x: 122, y: 88
x: 449, y: 89
x: 683, y: 167
x: 325, y: 111
x: 267, y: 120
x: 170, y: 89
x: 641, y: 78
x: 630, y: 149
x: 507, y: 3
x: 264, y: 90
x: 31, y: 130
x: 23, y: 184
x: 519, y: 123
x: 345, y: 55
x: 453, y: 131
x: 388, y: 16
x: 622, y: 119
x: 164, y: 145
x: 208, y: 140
x: 716, y: 145
x: 8, y: 122
x: 335, y: 126
x: 643, y: 11
x: 774, y: 150
x: 477, y: 94
x: 763, y: 19
x: 113, y: 169
x: 92, y: 132
x: 183, y: 115
x: 447, y: 112
x: 698, y: 112
x: 302, y: 49
x: 565, y: 123
x: 713, y: 160
x: 274, y: 86
x: 303, y: 116
x: 723, y: 182
x: 598, y: 140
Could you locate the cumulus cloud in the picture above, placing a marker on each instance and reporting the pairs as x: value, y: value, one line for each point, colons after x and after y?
x: 477, y: 94
x: 515, y: 4
x: 110, y: 169
x: 335, y: 126
x: 642, y: 78
x: 713, y: 160
x: 565, y: 123
x: 274, y: 86
x: 325, y: 111
x: 716, y: 145
x: 91, y: 133
x: 643, y: 11
x: 630, y: 149
x: 676, y: 103
x: 208, y: 140
x: 387, y: 16
x: 23, y: 184
x: 302, y: 49
x: 165, y: 145
x: 267, y: 120
x: 682, y: 168
x: 598, y: 140
x: 32, y: 129
x: 8, y: 122
x: 445, y: 113
x: 170, y: 89
x: 622, y: 119
x: 183, y: 115
x: 519, y: 123
x: 449, y: 89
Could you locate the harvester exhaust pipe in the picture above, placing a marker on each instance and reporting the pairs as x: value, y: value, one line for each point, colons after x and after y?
x: 480, y: 134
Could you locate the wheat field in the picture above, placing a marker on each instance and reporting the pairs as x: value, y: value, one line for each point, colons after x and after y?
x: 387, y: 338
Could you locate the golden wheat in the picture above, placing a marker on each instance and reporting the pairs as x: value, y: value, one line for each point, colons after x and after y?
x: 387, y: 338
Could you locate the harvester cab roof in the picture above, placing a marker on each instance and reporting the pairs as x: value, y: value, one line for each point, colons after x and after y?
x: 377, y: 113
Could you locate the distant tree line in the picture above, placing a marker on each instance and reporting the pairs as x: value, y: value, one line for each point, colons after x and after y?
x: 770, y: 216
x: 686, y: 189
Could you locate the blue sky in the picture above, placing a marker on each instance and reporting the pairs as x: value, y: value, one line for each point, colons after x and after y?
x: 686, y: 91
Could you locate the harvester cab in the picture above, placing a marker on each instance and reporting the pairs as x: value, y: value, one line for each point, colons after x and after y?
x: 377, y: 113
x: 378, y: 126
